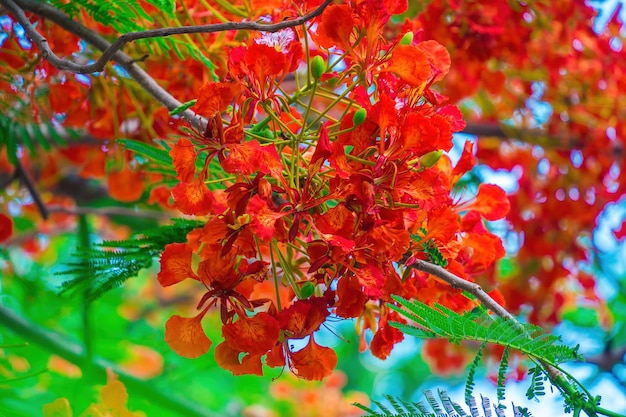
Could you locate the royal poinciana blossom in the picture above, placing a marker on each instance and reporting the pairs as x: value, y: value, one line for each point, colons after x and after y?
x: 334, y: 204
x: 319, y: 163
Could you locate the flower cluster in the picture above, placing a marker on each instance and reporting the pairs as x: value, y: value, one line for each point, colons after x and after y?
x: 328, y: 189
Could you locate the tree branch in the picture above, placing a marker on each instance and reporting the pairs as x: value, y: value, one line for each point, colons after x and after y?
x: 49, y: 12
x: 460, y: 283
x: 109, y: 52
x: 608, y: 358
x: 23, y: 177
x: 476, y: 290
x: 72, y: 352
x: 110, y: 211
x: 531, y: 136
x: 112, y: 51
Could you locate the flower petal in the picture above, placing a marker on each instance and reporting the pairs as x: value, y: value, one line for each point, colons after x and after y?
x: 186, y: 336
x: 125, y: 185
x: 228, y: 358
x: 491, y: 202
x: 313, y: 362
x: 183, y: 156
x: 335, y: 27
x: 410, y: 64
x: 255, y: 335
x: 175, y: 264
x: 193, y: 197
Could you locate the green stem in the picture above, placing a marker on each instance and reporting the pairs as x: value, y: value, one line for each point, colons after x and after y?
x: 276, y: 283
x: 72, y: 352
x: 609, y: 413
x: 21, y: 377
x: 85, y: 243
x: 335, y: 101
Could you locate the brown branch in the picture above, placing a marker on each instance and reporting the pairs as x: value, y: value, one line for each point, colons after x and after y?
x: 460, y: 283
x: 25, y: 179
x: 485, y: 129
x: 146, y: 82
x: 110, y: 52
x: 110, y: 211
x: 531, y: 136
x: 477, y: 291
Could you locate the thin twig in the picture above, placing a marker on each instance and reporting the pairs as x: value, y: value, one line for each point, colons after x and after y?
x: 460, y: 283
x: 109, y: 52
x: 109, y: 211
x: 477, y: 291
x: 30, y: 186
x: 140, y: 76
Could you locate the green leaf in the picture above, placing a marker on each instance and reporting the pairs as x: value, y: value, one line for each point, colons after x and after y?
x: 153, y: 153
x: 178, y: 110
x: 40, y: 137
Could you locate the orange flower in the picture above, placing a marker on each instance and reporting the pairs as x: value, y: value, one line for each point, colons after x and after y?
x: 214, y: 98
x: 313, y: 362
x: 351, y: 301
x: 193, y: 197
x: 411, y: 64
x: 256, y: 335
x: 125, y: 185
x: 184, y: 157
x: 386, y: 336
x: 175, y: 264
x: 304, y: 317
x: 335, y: 27
x: 186, y: 336
x: 491, y: 201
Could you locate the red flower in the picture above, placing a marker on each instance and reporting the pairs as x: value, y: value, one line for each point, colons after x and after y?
x: 193, y: 197
x: 186, y: 337
x: 313, y: 362
x: 175, y: 264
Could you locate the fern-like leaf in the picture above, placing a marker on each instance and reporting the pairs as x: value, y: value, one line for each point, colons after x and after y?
x: 477, y: 325
x: 127, y: 16
x: 99, y: 271
x: 469, y: 382
x: 502, y: 370
x: 442, y: 406
x: 536, y: 388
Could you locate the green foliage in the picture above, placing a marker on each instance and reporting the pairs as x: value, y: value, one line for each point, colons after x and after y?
x: 157, y: 155
x: 127, y: 16
x: 469, y: 382
x: 98, y: 271
x: 439, y: 407
x: 502, y: 369
x: 430, y: 248
x: 537, y: 379
x: 121, y: 15
x: 478, y: 325
x: 14, y: 134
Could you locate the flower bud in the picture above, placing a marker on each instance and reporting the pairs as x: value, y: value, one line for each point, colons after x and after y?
x: 318, y: 67
x: 359, y: 116
x: 430, y: 159
x: 407, y: 39
x: 307, y: 290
